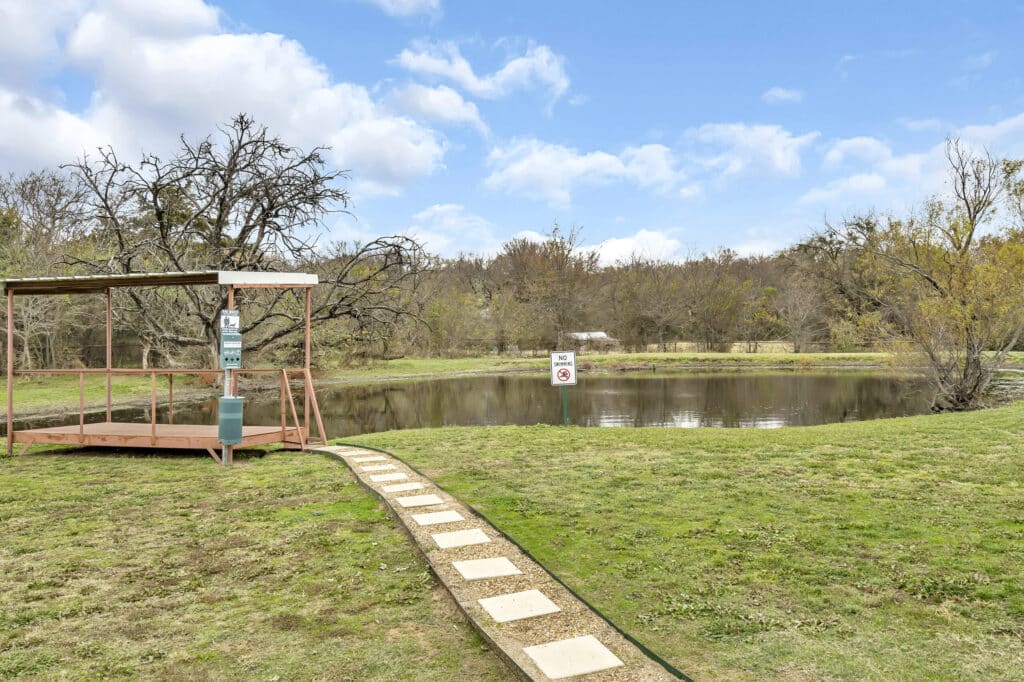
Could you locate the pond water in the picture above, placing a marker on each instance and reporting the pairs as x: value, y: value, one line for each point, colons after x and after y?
x: 726, y: 399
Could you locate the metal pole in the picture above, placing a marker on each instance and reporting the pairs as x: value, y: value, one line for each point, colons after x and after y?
x: 226, y: 455
x: 110, y: 343
x: 565, y: 405
x: 10, y: 372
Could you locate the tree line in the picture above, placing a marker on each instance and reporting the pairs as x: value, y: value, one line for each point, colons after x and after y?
x: 943, y: 282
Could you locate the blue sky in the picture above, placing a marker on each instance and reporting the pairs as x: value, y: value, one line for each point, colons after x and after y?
x: 663, y: 128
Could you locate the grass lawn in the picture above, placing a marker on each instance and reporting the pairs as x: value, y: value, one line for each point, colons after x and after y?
x: 881, y: 550
x: 280, y: 568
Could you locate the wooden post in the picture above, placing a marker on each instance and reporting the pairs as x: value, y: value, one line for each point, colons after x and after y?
x: 152, y: 407
x: 110, y: 343
x: 10, y: 372
x: 81, y: 407
x: 309, y: 315
x: 170, y: 398
x: 284, y: 418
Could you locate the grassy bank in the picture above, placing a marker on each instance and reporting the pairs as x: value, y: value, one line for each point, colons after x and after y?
x: 890, y: 549
x: 44, y: 395
x: 174, y: 568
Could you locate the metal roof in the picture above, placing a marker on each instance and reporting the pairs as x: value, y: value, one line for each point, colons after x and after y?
x: 89, y: 284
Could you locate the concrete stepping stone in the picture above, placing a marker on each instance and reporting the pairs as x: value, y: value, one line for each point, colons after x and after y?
x: 418, y: 500
x: 518, y: 605
x: 374, y: 458
x: 381, y: 478
x: 403, y: 487
x: 569, y: 657
x: 378, y: 467
x: 460, y: 538
x: 433, y: 518
x: 478, y: 569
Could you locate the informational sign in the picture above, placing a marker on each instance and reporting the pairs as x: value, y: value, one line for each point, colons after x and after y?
x: 230, y: 340
x: 230, y: 321
x: 563, y: 368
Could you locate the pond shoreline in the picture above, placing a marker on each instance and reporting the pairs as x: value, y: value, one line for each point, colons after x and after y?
x: 329, y: 379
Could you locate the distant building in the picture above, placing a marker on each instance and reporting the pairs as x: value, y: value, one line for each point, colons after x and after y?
x: 592, y: 340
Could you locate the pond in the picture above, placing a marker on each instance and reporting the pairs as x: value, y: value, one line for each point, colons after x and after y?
x: 726, y: 399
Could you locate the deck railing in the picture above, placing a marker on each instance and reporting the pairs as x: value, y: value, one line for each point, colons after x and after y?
x: 286, y: 396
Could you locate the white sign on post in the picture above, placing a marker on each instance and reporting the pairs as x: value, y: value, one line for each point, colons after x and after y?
x: 563, y: 368
x: 230, y: 321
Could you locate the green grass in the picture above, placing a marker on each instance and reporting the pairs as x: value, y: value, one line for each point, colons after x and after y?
x: 49, y: 394
x: 880, y: 550
x: 596, y: 362
x: 280, y: 568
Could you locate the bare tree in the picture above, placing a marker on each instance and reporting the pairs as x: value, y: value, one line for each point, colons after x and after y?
x: 941, y: 283
x: 243, y: 200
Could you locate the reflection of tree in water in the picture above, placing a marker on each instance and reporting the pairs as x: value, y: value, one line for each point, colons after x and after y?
x: 732, y: 400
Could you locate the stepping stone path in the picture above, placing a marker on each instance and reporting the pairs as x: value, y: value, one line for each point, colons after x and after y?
x: 538, y: 626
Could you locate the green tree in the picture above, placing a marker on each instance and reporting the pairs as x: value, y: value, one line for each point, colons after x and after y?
x: 949, y: 278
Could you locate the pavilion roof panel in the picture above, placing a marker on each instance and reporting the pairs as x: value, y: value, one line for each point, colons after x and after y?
x: 85, y: 284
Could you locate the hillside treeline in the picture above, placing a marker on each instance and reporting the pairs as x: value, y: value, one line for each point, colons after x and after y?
x: 943, y: 283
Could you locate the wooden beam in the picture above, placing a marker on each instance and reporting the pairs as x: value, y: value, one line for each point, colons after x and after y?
x: 307, y: 347
x: 81, y: 407
x: 316, y: 407
x: 10, y: 372
x: 213, y: 453
x: 152, y: 407
x: 295, y: 417
x: 110, y: 354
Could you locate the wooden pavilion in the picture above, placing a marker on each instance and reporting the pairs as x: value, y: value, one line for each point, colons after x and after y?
x: 291, y: 430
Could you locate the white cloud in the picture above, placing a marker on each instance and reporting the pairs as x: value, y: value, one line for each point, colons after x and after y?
x: 777, y: 95
x: 407, y: 8
x: 549, y: 171
x: 175, y: 70
x: 747, y: 146
x: 921, y: 125
x: 650, y: 165
x: 857, y: 148
x: 652, y: 244
x: 1003, y: 138
x: 862, y: 183
x: 34, y: 133
x: 439, y: 104
x: 449, y: 229
x: 29, y: 34
x: 538, y: 67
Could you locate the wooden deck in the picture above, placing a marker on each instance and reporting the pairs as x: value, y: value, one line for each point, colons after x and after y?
x: 131, y: 435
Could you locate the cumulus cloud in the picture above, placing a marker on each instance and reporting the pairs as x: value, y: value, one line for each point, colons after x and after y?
x: 176, y: 70
x: 857, y: 148
x: 862, y: 183
x: 778, y: 95
x: 539, y: 67
x: 407, y: 8
x: 440, y: 104
x: 449, y: 229
x: 744, y: 146
x: 548, y: 171
x: 29, y: 34
x: 652, y: 244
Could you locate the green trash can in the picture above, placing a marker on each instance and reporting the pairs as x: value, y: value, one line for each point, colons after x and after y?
x: 229, y: 422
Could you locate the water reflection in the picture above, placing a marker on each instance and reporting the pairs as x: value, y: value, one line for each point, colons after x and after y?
x: 736, y: 400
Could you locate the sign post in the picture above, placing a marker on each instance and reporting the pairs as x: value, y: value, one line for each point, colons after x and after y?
x: 229, y: 417
x: 563, y: 373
